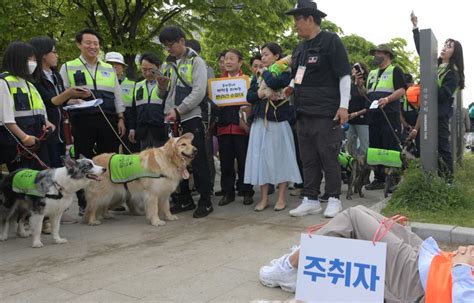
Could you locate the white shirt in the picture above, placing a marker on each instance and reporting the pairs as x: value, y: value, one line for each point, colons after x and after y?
x: 6, y: 104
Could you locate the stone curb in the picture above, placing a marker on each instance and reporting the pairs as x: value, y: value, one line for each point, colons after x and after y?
x: 440, y: 232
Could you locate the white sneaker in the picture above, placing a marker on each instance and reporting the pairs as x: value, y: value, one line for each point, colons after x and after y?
x: 333, y: 208
x: 278, y: 275
x: 307, y: 207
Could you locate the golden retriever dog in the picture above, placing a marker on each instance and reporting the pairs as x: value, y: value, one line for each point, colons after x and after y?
x: 169, y: 161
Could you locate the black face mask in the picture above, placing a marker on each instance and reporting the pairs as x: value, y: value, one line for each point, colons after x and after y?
x: 378, y: 60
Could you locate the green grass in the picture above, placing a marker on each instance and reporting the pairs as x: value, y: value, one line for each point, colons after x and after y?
x: 427, y: 198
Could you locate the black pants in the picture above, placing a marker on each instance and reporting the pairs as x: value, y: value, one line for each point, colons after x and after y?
x: 199, y: 163
x: 152, y: 137
x: 381, y: 136
x: 93, y: 135
x: 9, y: 154
x: 319, y: 146
x: 232, y: 147
x: 298, y: 157
x: 56, y: 151
x: 209, y: 142
x: 444, y: 149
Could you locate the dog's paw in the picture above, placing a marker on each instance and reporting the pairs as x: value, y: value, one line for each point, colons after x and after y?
x: 3, y: 238
x: 158, y: 222
x: 37, y: 244
x: 109, y: 216
x: 94, y: 223
x: 60, y: 241
x: 172, y: 218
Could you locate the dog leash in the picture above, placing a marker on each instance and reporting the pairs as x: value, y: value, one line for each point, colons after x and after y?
x: 399, y: 142
x: 26, y: 149
x: 110, y: 124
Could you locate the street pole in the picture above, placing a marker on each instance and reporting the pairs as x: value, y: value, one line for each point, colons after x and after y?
x: 429, y: 100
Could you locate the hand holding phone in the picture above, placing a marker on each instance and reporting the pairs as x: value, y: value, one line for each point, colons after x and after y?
x: 358, y: 69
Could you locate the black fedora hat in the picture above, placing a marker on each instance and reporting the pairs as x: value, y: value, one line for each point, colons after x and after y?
x: 306, y: 7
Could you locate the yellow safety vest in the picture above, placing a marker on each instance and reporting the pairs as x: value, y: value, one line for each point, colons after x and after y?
x: 127, y: 86
x: 102, y: 83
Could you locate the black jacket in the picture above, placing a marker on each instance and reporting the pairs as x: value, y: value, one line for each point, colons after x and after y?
x: 284, y: 112
x: 448, y: 86
x: 47, y: 91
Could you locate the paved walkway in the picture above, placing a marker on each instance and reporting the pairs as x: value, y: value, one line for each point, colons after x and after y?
x: 215, y: 259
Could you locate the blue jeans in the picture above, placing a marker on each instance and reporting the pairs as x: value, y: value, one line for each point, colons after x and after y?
x: 361, y: 132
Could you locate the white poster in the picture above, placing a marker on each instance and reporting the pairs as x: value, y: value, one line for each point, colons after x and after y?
x: 334, y: 269
x: 229, y: 91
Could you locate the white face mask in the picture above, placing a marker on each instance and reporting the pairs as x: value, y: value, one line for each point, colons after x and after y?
x: 32, y: 66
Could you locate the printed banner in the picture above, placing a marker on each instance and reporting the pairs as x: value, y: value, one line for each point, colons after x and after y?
x: 229, y: 91
x: 334, y: 269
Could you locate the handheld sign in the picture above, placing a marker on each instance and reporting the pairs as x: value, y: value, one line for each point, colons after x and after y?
x: 229, y: 91
x: 334, y: 269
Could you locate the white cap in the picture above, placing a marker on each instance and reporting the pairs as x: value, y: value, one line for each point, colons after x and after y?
x: 114, y: 57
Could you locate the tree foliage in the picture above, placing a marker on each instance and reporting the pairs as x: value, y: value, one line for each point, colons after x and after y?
x: 132, y: 26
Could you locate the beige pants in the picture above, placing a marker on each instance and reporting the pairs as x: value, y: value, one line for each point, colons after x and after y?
x: 402, y: 280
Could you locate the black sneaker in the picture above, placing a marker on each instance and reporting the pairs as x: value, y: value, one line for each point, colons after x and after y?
x: 324, y: 198
x: 248, y: 200
x: 219, y: 193
x: 179, y: 208
x: 82, y: 210
x: 376, y: 184
x: 203, y: 211
x: 226, y: 199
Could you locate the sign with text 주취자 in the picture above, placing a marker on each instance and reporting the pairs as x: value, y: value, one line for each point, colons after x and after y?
x: 334, y: 269
x: 229, y: 91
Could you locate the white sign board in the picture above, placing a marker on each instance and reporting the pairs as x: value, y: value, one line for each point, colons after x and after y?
x: 229, y: 91
x: 334, y: 269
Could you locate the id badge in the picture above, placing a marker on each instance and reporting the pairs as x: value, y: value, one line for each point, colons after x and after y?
x: 300, y: 74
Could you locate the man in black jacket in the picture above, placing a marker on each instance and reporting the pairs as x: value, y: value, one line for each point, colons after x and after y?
x: 321, y: 73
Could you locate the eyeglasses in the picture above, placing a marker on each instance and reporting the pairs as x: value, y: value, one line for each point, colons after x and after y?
x: 169, y: 45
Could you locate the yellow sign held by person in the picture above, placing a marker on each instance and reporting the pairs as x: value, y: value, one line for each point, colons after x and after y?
x: 229, y: 91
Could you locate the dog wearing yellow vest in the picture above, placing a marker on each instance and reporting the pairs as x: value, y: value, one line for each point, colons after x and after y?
x: 150, y: 176
x: 31, y: 195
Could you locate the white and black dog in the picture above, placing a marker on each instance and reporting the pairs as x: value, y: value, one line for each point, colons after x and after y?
x: 55, y: 190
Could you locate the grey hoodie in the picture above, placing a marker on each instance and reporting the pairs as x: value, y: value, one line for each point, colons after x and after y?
x: 190, y: 107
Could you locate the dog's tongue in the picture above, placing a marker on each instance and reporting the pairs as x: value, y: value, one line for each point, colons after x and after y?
x: 185, y: 174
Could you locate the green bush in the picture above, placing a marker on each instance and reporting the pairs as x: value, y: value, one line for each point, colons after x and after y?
x: 429, y: 192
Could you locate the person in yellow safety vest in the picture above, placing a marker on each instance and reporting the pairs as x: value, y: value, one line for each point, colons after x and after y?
x: 91, y: 130
x: 148, y: 119
x: 128, y: 86
x: 23, y: 115
x: 416, y: 270
x: 184, y: 93
x: 450, y: 80
x: 386, y: 84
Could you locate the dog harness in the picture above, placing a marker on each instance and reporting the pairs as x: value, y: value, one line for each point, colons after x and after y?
x: 24, y: 183
x: 345, y: 160
x: 126, y: 168
x: 386, y: 157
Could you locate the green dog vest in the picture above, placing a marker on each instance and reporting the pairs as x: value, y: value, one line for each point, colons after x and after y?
x: 345, y: 159
x: 377, y: 156
x: 24, y: 183
x: 126, y: 168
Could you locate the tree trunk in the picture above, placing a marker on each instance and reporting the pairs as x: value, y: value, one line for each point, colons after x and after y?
x: 132, y: 67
